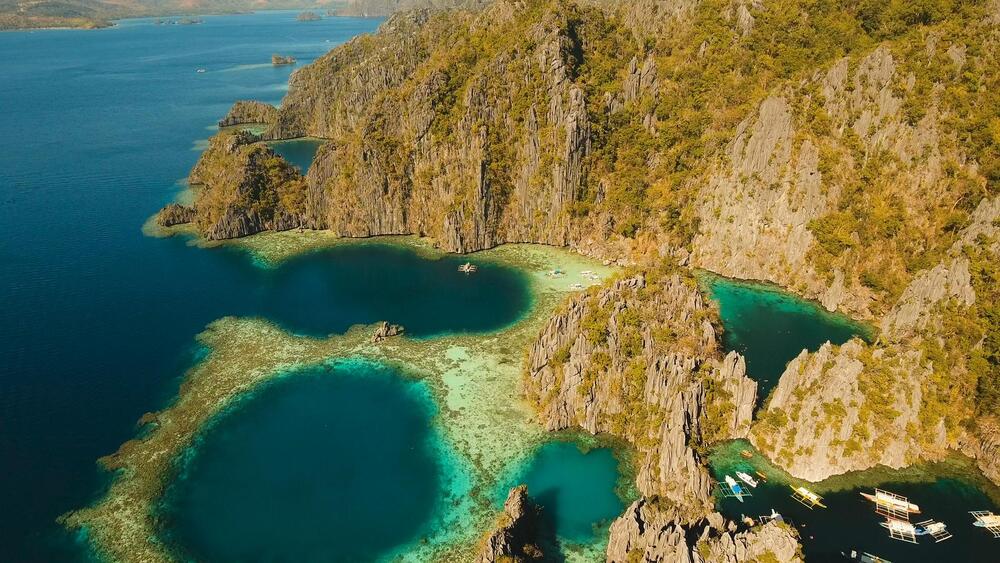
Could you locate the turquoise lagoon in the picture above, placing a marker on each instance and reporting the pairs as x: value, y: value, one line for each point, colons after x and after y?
x: 98, y: 322
x: 337, y: 462
x: 770, y: 327
x: 580, y: 487
x: 298, y: 152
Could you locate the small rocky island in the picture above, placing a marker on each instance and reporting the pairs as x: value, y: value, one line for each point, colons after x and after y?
x: 385, y: 331
x: 308, y: 17
x: 278, y: 60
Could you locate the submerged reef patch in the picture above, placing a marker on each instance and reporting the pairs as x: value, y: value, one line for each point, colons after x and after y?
x: 474, y: 378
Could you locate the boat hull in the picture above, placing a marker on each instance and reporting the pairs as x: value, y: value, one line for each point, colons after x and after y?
x: 908, y: 507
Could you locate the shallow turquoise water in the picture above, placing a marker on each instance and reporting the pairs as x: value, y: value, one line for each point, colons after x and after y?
x: 770, y: 327
x: 850, y: 521
x: 576, y: 489
x: 333, y: 463
x: 299, y: 152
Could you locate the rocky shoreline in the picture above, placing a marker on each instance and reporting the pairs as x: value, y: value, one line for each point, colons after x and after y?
x: 843, y: 182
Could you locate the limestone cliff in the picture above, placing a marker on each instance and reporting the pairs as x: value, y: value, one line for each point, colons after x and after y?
x: 516, y: 537
x: 251, y: 112
x: 928, y: 384
x: 471, y: 128
x: 858, y: 167
x: 380, y: 8
x: 620, y: 129
x: 811, y: 192
x: 651, y: 533
x: 243, y: 187
x: 640, y: 359
x: 175, y: 214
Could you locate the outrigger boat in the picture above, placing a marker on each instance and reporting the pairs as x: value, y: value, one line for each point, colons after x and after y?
x: 988, y: 520
x: 892, y: 501
x: 901, y: 530
x: 761, y: 476
x: 746, y: 478
x: 735, y: 488
x: 807, y: 497
x: 467, y: 268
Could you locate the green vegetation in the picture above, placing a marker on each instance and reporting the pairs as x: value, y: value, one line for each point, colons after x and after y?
x: 981, y: 330
x: 239, y: 176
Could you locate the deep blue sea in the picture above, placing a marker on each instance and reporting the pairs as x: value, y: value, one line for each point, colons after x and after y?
x: 97, y: 322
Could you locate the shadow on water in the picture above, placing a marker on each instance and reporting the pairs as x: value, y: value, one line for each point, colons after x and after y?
x: 577, y: 480
x: 546, y: 525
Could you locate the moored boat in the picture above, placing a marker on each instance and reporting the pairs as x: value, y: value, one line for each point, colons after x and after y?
x: 467, y: 268
x: 807, y: 497
x: 746, y: 478
x: 734, y: 487
x: 892, y: 501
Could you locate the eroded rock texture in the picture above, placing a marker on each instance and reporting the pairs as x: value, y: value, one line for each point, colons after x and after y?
x: 651, y: 533
x: 250, y: 112
x: 516, y: 537
x: 243, y: 187
x: 641, y: 360
x: 912, y: 394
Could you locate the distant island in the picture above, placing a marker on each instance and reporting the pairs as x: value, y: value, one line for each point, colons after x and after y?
x: 93, y: 14
x: 182, y: 21
x: 277, y: 59
x: 308, y: 17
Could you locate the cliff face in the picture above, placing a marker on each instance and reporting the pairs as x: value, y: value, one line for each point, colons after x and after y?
x: 380, y: 8
x: 175, y: 214
x: 844, y: 409
x: 620, y: 129
x: 251, y: 112
x: 241, y: 187
x: 641, y: 360
x: 786, y: 204
x: 471, y: 128
x: 858, y: 167
x: 650, y: 533
x: 927, y: 385
x: 489, y: 143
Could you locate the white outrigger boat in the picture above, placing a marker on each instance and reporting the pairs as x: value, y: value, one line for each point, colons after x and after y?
x: 735, y: 488
x: 902, y: 530
x: 892, y: 502
x: 988, y: 520
x: 746, y: 478
x: 467, y: 268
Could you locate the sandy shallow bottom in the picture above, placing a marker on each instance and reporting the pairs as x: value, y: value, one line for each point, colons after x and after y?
x: 485, y: 426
